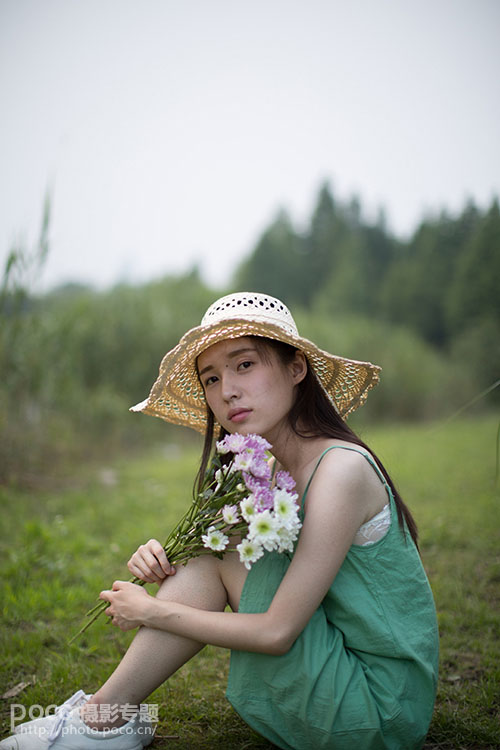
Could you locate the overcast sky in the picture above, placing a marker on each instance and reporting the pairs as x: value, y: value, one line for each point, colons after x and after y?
x: 170, y: 133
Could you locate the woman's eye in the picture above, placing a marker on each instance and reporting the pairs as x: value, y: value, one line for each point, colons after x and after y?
x: 245, y: 365
x: 210, y: 380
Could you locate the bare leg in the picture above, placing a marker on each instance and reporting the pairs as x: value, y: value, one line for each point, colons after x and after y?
x: 206, y: 583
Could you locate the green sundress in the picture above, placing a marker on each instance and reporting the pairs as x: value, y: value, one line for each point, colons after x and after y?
x: 362, y: 674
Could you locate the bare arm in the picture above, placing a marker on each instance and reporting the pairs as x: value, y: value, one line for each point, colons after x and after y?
x: 336, y: 507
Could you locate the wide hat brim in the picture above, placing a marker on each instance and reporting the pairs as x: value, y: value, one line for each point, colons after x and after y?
x: 177, y: 395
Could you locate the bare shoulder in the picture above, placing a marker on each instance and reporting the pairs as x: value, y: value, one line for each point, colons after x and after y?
x: 349, y: 461
x: 347, y: 475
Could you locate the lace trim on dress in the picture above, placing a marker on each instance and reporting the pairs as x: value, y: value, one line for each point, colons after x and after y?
x: 374, y: 529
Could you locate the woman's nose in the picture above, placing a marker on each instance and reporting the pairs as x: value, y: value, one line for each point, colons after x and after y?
x: 229, y: 386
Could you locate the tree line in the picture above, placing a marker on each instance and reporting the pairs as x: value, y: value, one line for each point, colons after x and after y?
x: 439, y: 282
x: 442, y: 284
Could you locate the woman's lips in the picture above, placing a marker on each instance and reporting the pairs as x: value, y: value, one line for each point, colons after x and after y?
x: 238, y: 415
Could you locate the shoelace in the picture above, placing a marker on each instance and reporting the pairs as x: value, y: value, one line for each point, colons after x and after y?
x: 62, y: 713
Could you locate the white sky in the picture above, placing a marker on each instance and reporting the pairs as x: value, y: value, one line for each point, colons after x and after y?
x: 171, y: 132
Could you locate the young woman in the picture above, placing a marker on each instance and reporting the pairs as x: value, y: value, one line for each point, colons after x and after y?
x: 334, y: 646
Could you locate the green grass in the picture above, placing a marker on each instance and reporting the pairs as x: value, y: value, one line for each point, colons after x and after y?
x: 60, y: 547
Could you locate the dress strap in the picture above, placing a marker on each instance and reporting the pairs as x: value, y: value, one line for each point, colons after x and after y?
x: 355, y: 450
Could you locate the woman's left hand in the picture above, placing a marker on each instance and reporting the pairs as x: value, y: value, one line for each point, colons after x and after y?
x: 128, y: 602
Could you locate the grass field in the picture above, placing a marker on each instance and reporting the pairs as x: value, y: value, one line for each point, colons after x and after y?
x: 60, y: 547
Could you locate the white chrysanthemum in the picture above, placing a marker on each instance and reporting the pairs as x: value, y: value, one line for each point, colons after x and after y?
x: 249, y: 551
x: 247, y: 508
x: 285, y: 508
x: 286, y: 539
x: 263, y: 529
x: 229, y: 514
x: 215, y: 540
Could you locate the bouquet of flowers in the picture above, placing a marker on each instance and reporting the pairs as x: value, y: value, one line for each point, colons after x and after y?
x: 237, y: 498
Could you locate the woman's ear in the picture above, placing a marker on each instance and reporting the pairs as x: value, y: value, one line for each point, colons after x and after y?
x: 298, y: 367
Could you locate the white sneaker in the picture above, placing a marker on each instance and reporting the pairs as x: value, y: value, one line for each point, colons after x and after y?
x: 66, y: 731
x: 77, y: 699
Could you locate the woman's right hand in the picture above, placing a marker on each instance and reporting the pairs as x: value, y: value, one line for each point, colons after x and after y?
x: 150, y: 563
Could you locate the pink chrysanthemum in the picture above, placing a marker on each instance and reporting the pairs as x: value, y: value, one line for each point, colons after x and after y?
x: 284, y: 481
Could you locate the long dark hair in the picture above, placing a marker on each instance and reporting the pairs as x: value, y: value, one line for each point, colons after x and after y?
x: 312, y: 415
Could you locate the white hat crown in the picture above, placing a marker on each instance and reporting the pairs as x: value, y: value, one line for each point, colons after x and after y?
x: 251, y: 306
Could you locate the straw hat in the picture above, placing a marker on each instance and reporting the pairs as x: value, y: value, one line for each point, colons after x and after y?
x: 177, y: 395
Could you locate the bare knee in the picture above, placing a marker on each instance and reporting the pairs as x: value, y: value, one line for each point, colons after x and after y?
x: 198, y: 584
